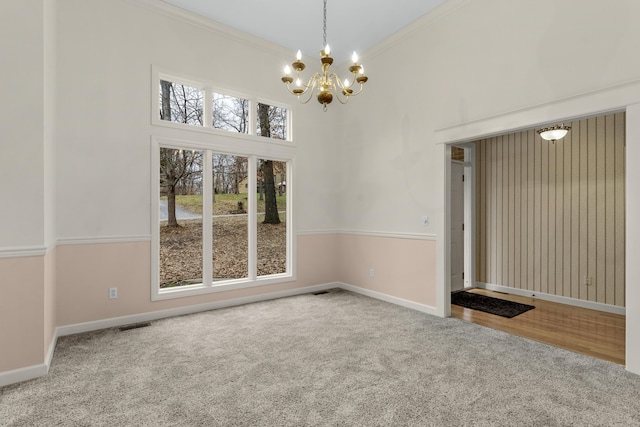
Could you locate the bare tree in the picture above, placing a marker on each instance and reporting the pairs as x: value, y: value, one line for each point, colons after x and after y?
x: 180, y: 171
x: 270, y: 204
x: 177, y: 169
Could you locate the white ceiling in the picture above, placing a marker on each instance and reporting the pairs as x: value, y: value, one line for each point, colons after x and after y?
x: 297, y: 24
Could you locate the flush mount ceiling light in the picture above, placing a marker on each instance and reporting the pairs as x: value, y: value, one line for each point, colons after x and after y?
x: 327, y: 84
x: 553, y: 133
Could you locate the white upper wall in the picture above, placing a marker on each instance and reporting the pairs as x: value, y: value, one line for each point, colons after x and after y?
x: 106, y: 50
x: 466, y: 61
x: 22, y: 212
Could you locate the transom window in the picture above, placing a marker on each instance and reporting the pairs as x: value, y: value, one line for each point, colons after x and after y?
x: 198, y: 106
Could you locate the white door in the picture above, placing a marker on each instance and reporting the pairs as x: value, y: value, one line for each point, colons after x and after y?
x: 457, y: 226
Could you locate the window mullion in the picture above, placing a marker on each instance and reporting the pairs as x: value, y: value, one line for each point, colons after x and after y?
x: 207, y: 214
x: 253, y: 218
x: 207, y: 120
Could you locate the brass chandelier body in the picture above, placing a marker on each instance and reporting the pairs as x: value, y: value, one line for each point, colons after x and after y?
x: 325, y: 83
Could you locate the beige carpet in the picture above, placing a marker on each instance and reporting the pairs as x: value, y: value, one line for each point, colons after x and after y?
x: 337, y: 359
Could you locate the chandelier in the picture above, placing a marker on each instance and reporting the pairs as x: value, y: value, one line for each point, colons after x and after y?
x: 553, y: 133
x: 326, y: 84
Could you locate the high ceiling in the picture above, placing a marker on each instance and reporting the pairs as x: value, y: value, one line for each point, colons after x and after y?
x: 297, y: 24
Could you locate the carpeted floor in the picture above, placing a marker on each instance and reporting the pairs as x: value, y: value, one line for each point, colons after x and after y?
x: 336, y: 359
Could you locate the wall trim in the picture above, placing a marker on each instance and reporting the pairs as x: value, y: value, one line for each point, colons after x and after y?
x: 427, y: 309
x: 179, y: 311
x: 23, y: 374
x: 390, y: 234
x: 42, y: 369
x: 24, y: 251
x: 99, y: 240
x: 554, y: 298
x: 581, y: 105
x: 30, y: 372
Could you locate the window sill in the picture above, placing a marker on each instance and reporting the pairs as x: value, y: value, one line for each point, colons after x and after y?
x: 194, y: 290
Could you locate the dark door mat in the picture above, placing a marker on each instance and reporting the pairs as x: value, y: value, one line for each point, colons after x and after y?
x: 489, y: 305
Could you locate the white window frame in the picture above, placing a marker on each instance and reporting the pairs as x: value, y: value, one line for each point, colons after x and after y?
x: 222, y: 142
x: 209, y: 88
x: 208, y: 286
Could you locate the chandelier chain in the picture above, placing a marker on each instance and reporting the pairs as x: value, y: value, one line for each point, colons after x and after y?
x: 324, y: 24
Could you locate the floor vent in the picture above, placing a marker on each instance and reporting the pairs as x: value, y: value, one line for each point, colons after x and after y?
x: 320, y: 292
x: 135, y: 326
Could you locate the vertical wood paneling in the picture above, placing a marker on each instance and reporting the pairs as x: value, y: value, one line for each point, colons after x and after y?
x: 531, y: 206
x: 511, y: 206
x: 574, y: 240
x: 516, y: 160
x: 551, y: 217
x: 620, y: 207
x: 567, y: 199
x: 592, y: 207
x: 610, y: 210
x: 551, y: 221
x: 504, y: 220
x: 584, y: 217
x: 559, y: 219
x: 494, y: 211
x: 537, y: 215
x: 600, y: 210
x: 544, y: 219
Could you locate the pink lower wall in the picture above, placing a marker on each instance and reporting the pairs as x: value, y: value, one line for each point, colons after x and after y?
x: 86, y: 272
x: 49, y: 299
x: 21, y: 312
x: 69, y: 284
x: 403, y: 268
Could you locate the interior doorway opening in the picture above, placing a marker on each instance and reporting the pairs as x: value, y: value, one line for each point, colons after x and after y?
x: 547, y: 217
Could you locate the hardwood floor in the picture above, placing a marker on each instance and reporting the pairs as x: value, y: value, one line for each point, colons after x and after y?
x: 594, y: 333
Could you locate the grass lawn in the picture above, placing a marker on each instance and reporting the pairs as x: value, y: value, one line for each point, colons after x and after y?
x: 224, y: 203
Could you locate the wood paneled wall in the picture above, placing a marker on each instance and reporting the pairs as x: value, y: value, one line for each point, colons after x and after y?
x: 551, y: 217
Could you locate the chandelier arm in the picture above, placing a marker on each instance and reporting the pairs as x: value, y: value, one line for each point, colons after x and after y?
x: 357, y: 91
x: 336, y: 79
x: 310, y: 82
x: 339, y: 97
x: 310, y: 90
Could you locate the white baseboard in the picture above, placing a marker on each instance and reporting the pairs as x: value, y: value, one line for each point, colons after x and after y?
x: 30, y: 372
x: 23, y: 374
x: 554, y: 298
x: 35, y: 371
x: 179, y: 311
x: 389, y: 298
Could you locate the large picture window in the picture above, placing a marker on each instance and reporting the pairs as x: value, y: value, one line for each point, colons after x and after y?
x: 221, y: 205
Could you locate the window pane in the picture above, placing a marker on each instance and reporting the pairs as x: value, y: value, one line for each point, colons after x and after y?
x: 180, y: 103
x: 230, y: 113
x: 230, y: 219
x: 272, y: 121
x: 272, y: 228
x: 180, y: 217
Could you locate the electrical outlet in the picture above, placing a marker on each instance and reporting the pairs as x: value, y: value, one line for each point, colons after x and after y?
x: 372, y: 273
x: 113, y: 293
x: 588, y: 280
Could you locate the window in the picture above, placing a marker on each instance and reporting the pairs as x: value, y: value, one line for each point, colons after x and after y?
x: 230, y: 113
x: 222, y: 205
x: 271, y: 121
x: 180, y: 103
x: 198, y: 106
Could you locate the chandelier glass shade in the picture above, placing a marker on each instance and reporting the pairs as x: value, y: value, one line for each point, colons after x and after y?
x: 325, y: 84
x: 553, y: 133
